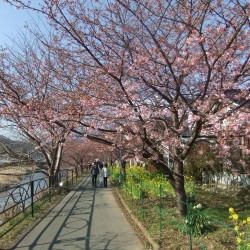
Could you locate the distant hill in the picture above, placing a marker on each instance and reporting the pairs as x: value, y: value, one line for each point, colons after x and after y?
x: 18, y: 147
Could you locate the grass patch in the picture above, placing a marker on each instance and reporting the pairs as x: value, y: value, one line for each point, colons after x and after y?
x: 151, y: 200
x: 217, y: 202
x: 170, y: 230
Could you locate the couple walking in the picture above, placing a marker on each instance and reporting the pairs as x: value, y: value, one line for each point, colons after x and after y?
x: 101, y: 170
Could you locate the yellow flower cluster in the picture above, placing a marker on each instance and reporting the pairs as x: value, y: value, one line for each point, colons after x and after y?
x: 231, y: 210
x: 137, y: 179
x: 243, y: 225
x: 189, y: 178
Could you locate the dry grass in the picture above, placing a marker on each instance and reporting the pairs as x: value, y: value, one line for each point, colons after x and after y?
x: 12, y: 175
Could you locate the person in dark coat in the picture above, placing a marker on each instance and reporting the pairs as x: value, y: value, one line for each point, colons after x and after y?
x: 94, y: 172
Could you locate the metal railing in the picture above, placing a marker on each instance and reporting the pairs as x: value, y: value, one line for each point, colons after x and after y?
x: 22, y: 198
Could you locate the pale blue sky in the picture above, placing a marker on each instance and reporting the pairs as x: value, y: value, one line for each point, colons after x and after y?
x: 12, y: 21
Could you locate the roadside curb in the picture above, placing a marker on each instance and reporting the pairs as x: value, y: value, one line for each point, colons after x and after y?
x: 154, y: 245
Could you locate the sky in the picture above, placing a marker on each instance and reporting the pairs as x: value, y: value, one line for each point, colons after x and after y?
x: 12, y: 21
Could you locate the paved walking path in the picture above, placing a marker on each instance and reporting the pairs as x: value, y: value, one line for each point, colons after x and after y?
x: 86, y: 218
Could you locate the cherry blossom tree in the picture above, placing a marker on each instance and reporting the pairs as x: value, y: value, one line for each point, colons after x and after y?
x: 155, y: 74
x: 37, y: 100
x: 28, y: 100
x: 84, y: 152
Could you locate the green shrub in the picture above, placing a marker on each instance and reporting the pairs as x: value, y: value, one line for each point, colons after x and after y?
x: 197, y: 222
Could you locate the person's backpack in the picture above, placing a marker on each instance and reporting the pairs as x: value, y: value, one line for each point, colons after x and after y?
x: 95, y: 170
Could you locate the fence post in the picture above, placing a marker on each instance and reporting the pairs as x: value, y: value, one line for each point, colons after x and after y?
x: 142, y: 200
x: 50, y: 182
x: 160, y: 211
x: 72, y: 175
x: 67, y: 179
x: 132, y: 195
x: 32, y: 197
x: 189, y: 227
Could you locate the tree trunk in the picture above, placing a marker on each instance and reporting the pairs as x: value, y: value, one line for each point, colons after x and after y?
x: 180, y: 192
x: 175, y: 178
x: 58, y: 158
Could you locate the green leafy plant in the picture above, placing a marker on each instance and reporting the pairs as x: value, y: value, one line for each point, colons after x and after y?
x: 197, y: 222
x: 202, y: 158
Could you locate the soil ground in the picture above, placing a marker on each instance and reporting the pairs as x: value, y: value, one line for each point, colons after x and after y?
x: 12, y: 175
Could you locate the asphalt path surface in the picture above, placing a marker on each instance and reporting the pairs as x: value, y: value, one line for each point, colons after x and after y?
x: 87, y: 218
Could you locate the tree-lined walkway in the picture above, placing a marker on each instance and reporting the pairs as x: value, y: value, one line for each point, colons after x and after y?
x: 86, y: 218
